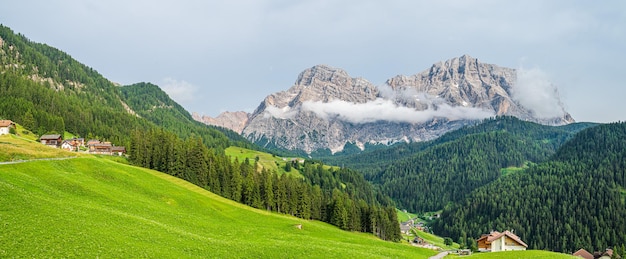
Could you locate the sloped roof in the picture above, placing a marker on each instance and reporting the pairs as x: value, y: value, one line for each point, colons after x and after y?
x: 495, y: 235
x: 53, y: 136
x: 118, y: 149
x: 5, y: 123
x: 583, y: 253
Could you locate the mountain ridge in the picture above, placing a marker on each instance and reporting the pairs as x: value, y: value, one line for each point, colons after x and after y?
x: 325, y: 108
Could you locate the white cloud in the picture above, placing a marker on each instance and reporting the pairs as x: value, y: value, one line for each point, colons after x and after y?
x: 386, y: 110
x: 279, y: 113
x: 534, y: 91
x: 179, y: 90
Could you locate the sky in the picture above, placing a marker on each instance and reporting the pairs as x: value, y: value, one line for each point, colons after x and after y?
x: 215, y: 56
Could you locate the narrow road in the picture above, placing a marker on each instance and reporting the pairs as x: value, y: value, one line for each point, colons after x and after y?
x: 39, y: 159
x: 439, y: 255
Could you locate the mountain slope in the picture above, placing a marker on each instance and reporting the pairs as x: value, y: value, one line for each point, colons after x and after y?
x: 426, y: 176
x: 375, y: 161
x: 574, y: 200
x: 92, y: 207
x: 45, y: 89
x: 326, y: 109
x: 152, y: 103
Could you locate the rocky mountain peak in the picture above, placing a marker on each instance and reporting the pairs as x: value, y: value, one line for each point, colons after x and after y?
x: 322, y: 73
x: 326, y: 108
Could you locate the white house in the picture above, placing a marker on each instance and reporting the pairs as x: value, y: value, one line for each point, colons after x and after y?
x: 496, y: 242
x: 5, y: 126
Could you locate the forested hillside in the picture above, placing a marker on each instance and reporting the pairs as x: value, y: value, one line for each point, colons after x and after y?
x: 153, y: 104
x: 377, y: 159
x: 46, y: 90
x: 426, y: 176
x: 341, y: 197
x: 575, y: 200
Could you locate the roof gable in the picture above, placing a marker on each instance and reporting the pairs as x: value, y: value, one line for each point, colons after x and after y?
x: 53, y: 136
x: 583, y: 253
x: 496, y: 235
x: 6, y: 123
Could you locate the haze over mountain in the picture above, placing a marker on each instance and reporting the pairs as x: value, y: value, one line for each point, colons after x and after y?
x: 326, y: 108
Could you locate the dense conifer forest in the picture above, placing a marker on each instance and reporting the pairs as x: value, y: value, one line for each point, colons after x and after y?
x: 574, y: 200
x: 341, y: 197
x: 426, y: 176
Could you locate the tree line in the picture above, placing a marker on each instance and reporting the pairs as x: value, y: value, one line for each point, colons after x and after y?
x: 336, y: 196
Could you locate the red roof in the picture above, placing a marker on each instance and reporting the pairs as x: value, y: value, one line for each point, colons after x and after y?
x: 495, y: 235
x: 583, y: 253
x: 5, y: 123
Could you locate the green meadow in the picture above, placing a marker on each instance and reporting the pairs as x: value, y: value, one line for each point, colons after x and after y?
x: 94, y: 207
x: 14, y: 148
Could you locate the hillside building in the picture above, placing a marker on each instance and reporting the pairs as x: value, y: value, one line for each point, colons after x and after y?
x: 6, y: 126
x: 496, y: 242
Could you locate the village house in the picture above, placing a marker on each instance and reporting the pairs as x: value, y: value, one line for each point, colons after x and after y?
x: 105, y: 148
x: 72, y: 144
x: 6, y: 126
x: 496, y: 242
x: 53, y: 140
x: 405, y: 228
x: 118, y: 150
x: 100, y: 148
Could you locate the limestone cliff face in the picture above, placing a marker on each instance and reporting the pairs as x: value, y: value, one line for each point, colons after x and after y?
x: 465, y: 81
x: 326, y: 108
x: 234, y: 121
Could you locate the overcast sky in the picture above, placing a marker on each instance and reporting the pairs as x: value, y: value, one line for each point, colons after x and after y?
x: 214, y: 56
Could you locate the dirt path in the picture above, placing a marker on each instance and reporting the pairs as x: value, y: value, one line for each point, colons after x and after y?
x: 439, y: 255
x: 32, y: 160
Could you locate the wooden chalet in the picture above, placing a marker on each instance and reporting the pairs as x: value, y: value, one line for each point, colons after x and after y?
x: 496, y: 242
x: 105, y: 148
x: 53, y: 140
x: 100, y: 148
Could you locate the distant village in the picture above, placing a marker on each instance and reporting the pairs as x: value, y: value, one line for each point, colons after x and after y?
x: 92, y: 146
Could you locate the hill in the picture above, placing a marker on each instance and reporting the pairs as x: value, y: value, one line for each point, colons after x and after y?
x: 574, y: 200
x: 93, y: 207
x: 46, y: 90
x: 151, y: 103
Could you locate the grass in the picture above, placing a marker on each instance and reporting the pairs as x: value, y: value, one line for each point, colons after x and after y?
x: 266, y: 160
x: 514, y: 169
x: 92, y: 207
x: 435, y: 240
x: 530, y: 254
x: 14, y: 148
x: 68, y: 135
x: 24, y: 133
x: 405, y: 216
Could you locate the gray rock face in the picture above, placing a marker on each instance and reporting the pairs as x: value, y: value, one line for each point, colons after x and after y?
x: 326, y: 108
x: 234, y: 121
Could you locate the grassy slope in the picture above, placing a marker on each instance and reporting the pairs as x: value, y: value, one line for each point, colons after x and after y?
x: 17, y: 148
x: 266, y: 160
x: 530, y: 254
x: 435, y: 240
x: 94, y: 207
x: 404, y: 216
